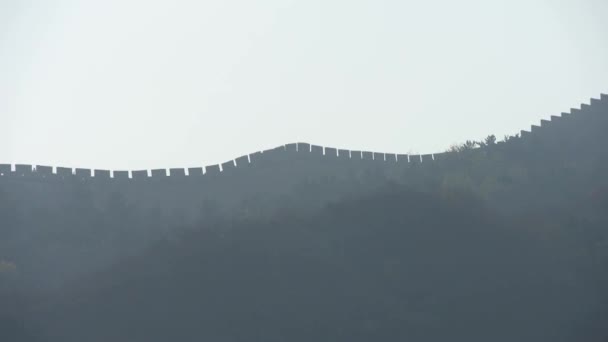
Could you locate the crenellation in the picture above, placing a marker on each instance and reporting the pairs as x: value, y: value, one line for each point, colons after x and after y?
x: 139, y: 174
x: 23, y: 169
x: 195, y: 171
x: 378, y: 156
x: 293, y: 147
x: 82, y: 173
x: 303, y: 147
x: 212, y: 170
x: 343, y: 154
x: 402, y: 158
x: 274, y: 151
x: 597, y: 106
x: 356, y: 155
x: 331, y: 152
x: 242, y: 161
x: 120, y: 175
x: 316, y: 150
x: 582, y: 113
x: 555, y: 118
x: 597, y: 115
x: 426, y: 158
x: 177, y: 172
x: 44, y: 170
x: 227, y: 166
x: 556, y: 127
x: 64, y: 171
x: 272, y: 155
x: 102, y: 174
x: 255, y: 157
x: 158, y: 173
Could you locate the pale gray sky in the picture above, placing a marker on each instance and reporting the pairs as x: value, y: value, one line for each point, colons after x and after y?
x: 127, y: 84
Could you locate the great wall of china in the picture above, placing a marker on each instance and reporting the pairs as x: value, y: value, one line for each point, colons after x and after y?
x: 303, y: 150
x: 595, y: 111
x: 299, y: 170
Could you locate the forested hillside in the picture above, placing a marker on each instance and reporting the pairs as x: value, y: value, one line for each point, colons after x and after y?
x: 400, y: 264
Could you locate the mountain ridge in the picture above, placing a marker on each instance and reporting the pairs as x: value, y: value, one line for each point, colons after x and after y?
x: 586, y: 111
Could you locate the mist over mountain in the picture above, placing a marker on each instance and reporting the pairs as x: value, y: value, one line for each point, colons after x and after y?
x: 497, y: 240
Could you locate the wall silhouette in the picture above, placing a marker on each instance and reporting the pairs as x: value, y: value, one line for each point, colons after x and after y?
x: 282, y: 153
x: 307, y: 157
x: 571, y: 123
x: 264, y: 178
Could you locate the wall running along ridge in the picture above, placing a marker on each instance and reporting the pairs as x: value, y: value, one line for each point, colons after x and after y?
x: 591, y: 114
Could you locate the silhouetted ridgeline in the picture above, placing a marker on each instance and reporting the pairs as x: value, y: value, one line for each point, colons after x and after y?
x: 561, y: 161
x: 285, y: 153
x: 589, y: 116
x: 505, y: 242
x: 275, y: 172
x: 272, y: 172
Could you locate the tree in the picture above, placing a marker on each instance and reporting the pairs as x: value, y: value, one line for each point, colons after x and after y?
x: 490, y: 140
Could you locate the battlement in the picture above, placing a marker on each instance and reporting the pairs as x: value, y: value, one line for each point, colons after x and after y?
x: 587, y: 114
x: 288, y: 152
x: 576, y: 120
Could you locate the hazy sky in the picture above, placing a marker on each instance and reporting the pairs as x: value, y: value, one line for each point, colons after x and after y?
x: 144, y: 84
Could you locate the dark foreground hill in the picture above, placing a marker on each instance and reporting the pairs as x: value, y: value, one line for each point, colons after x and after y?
x: 396, y: 266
